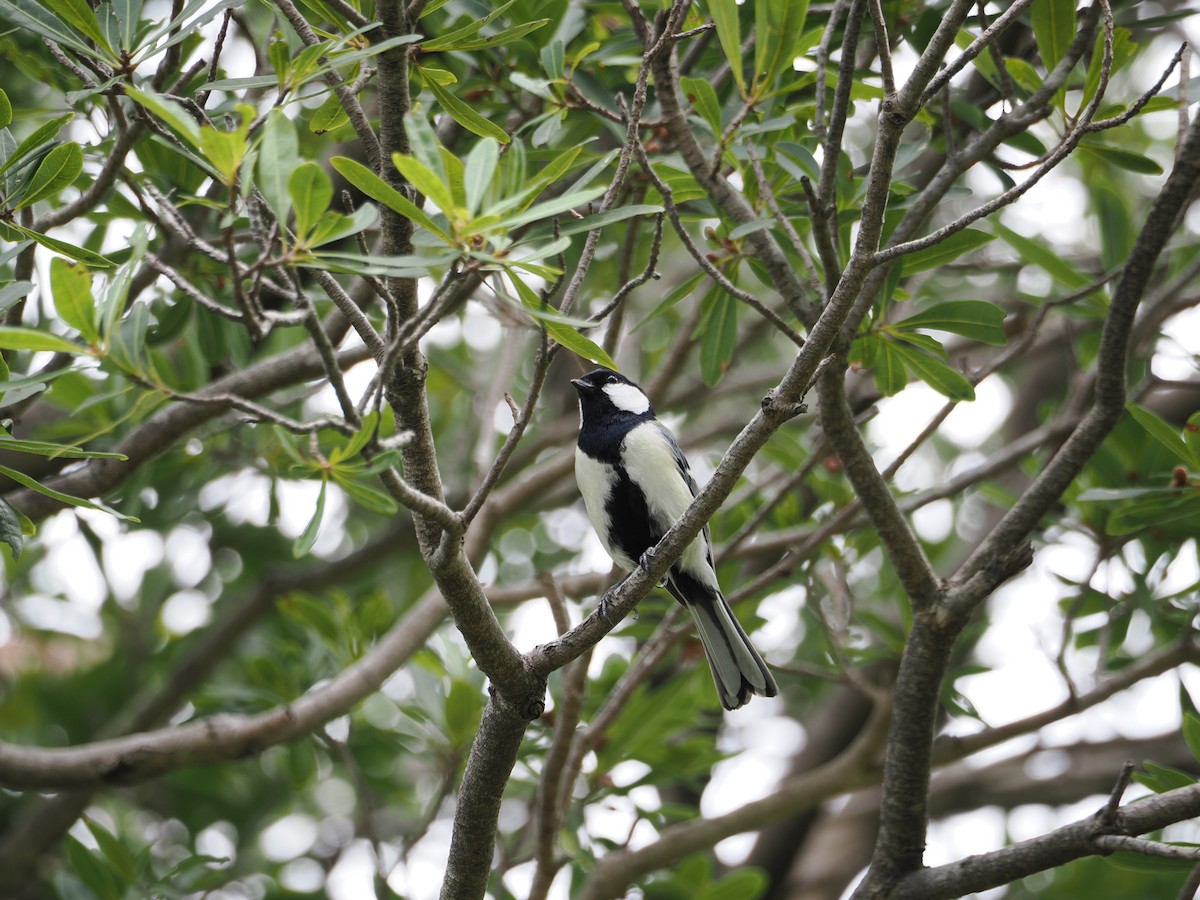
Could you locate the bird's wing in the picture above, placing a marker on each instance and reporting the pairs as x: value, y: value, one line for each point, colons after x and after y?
x: 686, y: 471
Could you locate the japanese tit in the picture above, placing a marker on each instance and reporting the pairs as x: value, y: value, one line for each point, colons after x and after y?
x: 636, y: 484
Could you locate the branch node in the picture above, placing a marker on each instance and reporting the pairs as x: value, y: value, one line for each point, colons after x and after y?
x: 1112, y: 809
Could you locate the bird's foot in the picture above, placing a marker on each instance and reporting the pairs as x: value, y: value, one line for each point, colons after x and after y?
x: 605, y: 606
x: 645, y: 561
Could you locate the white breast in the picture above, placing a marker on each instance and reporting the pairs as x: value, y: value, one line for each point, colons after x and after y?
x: 595, y: 479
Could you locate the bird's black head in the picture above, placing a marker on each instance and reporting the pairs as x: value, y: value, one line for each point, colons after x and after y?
x: 605, y: 395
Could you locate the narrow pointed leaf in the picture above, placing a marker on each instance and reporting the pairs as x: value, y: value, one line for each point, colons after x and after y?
x: 308, y: 537
x: 311, y: 192
x: 37, y: 139
x: 277, y: 158
x: 452, y: 39
x: 71, y: 285
x: 480, y: 172
x: 92, y: 259
x: 719, y: 339
x: 1165, y: 434
x: 933, y: 372
x: 169, y: 112
x: 426, y: 182
x: 1041, y: 255
x: 25, y: 481
x: 956, y: 245
x: 1053, y: 29
x: 16, y: 337
x: 975, y: 319
x: 79, y: 16
x: 729, y: 33
x: 58, y: 169
x: 465, y: 115
x: 378, y: 189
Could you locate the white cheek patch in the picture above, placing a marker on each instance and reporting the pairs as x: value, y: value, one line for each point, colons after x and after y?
x: 627, y: 398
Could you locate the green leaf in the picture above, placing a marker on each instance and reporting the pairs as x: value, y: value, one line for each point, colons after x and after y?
x: 465, y: 115
x: 974, y: 319
x: 1122, y: 159
x: 778, y: 26
x: 5, y: 110
x: 11, y: 532
x: 16, y: 337
x: 225, y: 151
x: 278, y: 156
x: 426, y: 181
x: 464, y: 705
x: 1023, y: 74
x: 79, y: 15
x: 333, y: 226
x: 934, y: 372
x: 58, y: 169
x: 720, y: 337
x: 480, y: 172
x: 887, y: 365
x: 311, y: 192
x: 378, y: 189
x: 1161, y: 779
x: 13, y: 292
x: 54, y: 451
x: 115, y: 853
x: 452, y: 39
x: 548, y: 208
x: 1166, y: 435
x: 600, y: 219
x: 1123, y: 49
x: 308, y: 537
x: 1173, y: 505
x: 746, y: 883
x: 25, y: 481
x: 1042, y: 255
x: 441, y: 76
x: 702, y: 96
x: 371, y: 498
x: 948, y: 250
x: 1053, y: 29
x: 39, y: 19
x: 79, y: 253
x: 729, y: 32
x: 37, y: 139
x: 170, y: 112
x: 1191, y: 734
x: 329, y: 115
x: 360, y: 439
x: 71, y: 285
x: 97, y: 877
x: 501, y: 37
x: 563, y: 334
x: 674, y: 295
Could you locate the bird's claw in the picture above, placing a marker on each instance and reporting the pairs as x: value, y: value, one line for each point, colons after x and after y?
x: 605, y: 606
x: 645, y: 560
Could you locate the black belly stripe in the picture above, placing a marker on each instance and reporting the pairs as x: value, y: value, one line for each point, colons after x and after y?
x: 626, y: 508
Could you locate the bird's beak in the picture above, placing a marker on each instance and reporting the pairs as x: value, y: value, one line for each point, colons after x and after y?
x: 580, y: 385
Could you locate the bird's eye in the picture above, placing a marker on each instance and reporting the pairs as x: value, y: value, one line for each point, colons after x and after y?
x: 612, y: 379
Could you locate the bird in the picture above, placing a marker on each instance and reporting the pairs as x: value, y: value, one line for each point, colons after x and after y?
x: 636, y: 484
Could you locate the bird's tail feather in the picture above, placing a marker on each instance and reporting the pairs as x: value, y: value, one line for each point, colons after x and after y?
x: 737, y: 669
